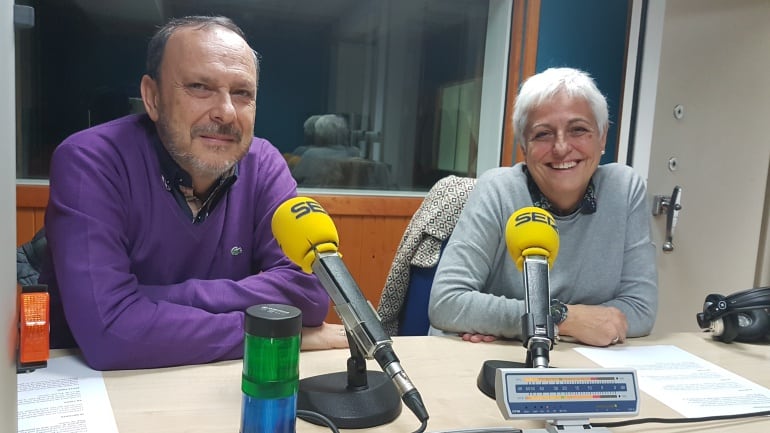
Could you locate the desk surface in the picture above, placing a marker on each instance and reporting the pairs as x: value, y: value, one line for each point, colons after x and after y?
x: 207, y: 398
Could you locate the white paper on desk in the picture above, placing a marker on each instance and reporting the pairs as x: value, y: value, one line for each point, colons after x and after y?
x: 65, y: 397
x: 684, y: 382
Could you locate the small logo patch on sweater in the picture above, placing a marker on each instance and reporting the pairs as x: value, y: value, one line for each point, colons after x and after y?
x: 236, y: 251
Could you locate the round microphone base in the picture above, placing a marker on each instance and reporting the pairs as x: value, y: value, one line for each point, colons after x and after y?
x: 486, y: 379
x: 376, y: 404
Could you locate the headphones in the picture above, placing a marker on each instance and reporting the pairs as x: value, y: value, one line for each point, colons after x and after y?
x: 743, y: 316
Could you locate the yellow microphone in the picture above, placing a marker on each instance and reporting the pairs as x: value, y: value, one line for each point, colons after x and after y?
x: 532, y: 231
x: 303, y: 229
x: 533, y: 243
x: 307, y: 235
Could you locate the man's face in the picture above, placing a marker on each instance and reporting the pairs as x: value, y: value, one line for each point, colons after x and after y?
x: 205, y: 99
x: 564, y: 147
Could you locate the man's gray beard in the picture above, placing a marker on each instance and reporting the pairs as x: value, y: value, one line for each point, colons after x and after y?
x: 187, y: 159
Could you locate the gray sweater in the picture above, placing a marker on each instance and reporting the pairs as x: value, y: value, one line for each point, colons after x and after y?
x: 605, y: 258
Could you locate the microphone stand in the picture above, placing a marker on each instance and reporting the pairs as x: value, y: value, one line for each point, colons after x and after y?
x: 538, y: 349
x: 537, y: 352
x: 537, y: 326
x: 356, y: 398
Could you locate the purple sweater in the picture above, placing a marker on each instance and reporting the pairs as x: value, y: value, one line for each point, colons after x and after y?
x: 142, y: 286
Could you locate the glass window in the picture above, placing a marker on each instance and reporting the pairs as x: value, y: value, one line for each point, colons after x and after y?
x: 357, y: 94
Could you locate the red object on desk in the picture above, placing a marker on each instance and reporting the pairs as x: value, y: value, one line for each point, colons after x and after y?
x: 34, y: 327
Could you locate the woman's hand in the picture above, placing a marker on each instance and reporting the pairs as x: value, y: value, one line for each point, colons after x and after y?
x: 326, y: 336
x: 595, y: 325
x: 478, y: 338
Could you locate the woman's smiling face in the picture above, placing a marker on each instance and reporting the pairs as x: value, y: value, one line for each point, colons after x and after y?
x: 563, y: 148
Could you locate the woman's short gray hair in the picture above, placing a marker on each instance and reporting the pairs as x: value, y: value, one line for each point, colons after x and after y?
x: 332, y: 129
x: 541, y: 87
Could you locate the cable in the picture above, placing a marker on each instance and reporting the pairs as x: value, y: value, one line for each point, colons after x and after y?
x: 484, y: 430
x: 310, y: 416
x: 423, y: 426
x: 680, y: 420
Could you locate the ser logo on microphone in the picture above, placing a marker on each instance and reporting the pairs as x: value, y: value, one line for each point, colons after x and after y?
x: 305, y: 207
x: 538, y: 217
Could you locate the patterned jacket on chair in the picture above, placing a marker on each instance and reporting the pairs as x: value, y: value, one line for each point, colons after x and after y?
x: 421, y: 244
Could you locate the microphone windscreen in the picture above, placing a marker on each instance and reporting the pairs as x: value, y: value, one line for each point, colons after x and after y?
x: 303, y: 228
x: 531, y: 231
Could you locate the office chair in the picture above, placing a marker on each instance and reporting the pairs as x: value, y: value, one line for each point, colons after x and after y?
x: 403, y: 306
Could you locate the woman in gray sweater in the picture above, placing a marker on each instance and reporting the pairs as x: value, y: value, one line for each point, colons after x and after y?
x: 604, y: 279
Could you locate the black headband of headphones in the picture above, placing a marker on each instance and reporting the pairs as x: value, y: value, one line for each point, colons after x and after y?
x: 716, y: 305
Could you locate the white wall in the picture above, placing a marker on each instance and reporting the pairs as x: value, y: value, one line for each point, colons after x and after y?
x: 648, y: 81
x: 712, y: 60
x: 8, y: 222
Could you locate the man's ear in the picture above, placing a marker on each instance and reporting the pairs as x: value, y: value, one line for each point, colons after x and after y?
x: 150, y: 93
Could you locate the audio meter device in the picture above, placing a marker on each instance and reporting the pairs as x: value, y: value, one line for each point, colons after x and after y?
x: 566, y: 397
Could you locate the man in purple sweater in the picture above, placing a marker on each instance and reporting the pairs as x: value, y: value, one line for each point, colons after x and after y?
x: 158, y: 224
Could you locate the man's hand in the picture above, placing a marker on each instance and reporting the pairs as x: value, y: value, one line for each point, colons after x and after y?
x: 595, y: 325
x: 326, y: 336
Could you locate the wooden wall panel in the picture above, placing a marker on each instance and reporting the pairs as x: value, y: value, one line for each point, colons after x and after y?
x: 377, y: 242
x: 25, y: 225
x: 370, y: 229
x: 522, y: 64
x: 31, y: 201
